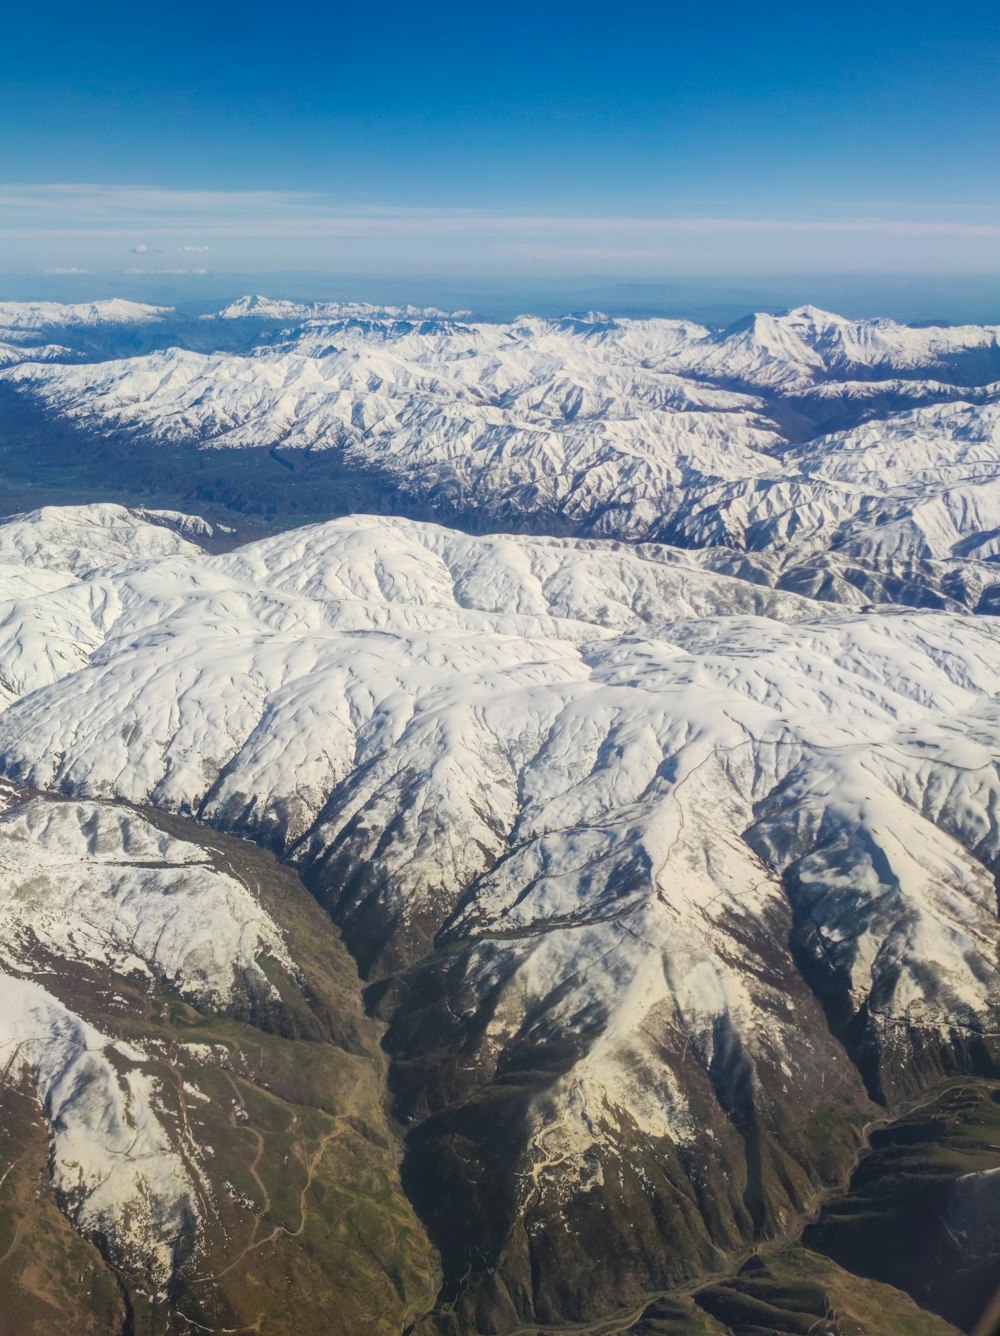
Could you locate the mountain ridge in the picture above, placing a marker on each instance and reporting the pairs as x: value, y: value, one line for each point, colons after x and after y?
x: 623, y: 782
x: 652, y: 843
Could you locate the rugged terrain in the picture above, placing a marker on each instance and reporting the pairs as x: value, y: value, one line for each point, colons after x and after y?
x: 207, y: 1114
x: 627, y: 888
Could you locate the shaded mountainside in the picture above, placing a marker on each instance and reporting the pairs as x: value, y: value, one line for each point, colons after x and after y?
x: 923, y: 1208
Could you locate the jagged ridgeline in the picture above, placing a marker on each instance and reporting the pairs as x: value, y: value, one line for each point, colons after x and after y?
x: 410, y: 929
x: 851, y: 461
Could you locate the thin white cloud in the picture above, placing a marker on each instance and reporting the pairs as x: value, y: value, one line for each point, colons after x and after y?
x: 101, y: 211
x: 165, y: 271
x: 66, y: 269
x: 585, y: 254
x: 285, y: 229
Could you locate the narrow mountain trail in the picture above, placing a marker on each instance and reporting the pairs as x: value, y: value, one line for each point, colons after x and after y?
x: 311, y: 1165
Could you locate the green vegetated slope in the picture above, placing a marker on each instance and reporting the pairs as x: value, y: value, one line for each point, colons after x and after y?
x: 923, y: 1208
x: 304, y: 1226
x: 51, y: 1279
x: 791, y: 1291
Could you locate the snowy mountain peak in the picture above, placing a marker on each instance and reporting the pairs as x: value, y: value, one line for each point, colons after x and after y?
x: 258, y: 307
x: 814, y: 316
x: 51, y: 315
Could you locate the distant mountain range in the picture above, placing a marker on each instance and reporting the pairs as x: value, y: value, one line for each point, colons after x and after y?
x: 848, y: 460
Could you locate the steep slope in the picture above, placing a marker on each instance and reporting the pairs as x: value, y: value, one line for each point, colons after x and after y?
x: 921, y: 1210
x: 211, y: 1104
x: 644, y: 865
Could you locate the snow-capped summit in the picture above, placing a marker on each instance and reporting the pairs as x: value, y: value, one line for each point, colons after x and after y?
x: 263, y: 308
x: 15, y: 316
x: 268, y: 309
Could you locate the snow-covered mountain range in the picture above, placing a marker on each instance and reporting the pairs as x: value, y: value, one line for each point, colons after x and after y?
x: 663, y: 829
x: 627, y: 835
x: 843, y: 455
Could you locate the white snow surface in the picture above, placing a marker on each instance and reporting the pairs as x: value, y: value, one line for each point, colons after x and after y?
x: 258, y: 307
x: 112, y: 1161
x: 532, y: 419
x: 192, y: 526
x: 12, y: 352
x: 82, y: 881
x: 807, y: 345
x: 31, y: 316
x: 603, y: 768
x: 100, y: 885
x: 79, y: 540
x: 633, y: 429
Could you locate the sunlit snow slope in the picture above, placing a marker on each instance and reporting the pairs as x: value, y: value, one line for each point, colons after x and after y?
x: 854, y: 461
x: 654, y: 793
x: 658, y: 876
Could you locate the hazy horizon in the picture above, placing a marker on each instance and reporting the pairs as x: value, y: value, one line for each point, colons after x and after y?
x: 710, y: 300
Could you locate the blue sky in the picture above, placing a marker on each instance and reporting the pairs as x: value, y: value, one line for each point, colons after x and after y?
x: 637, y: 140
